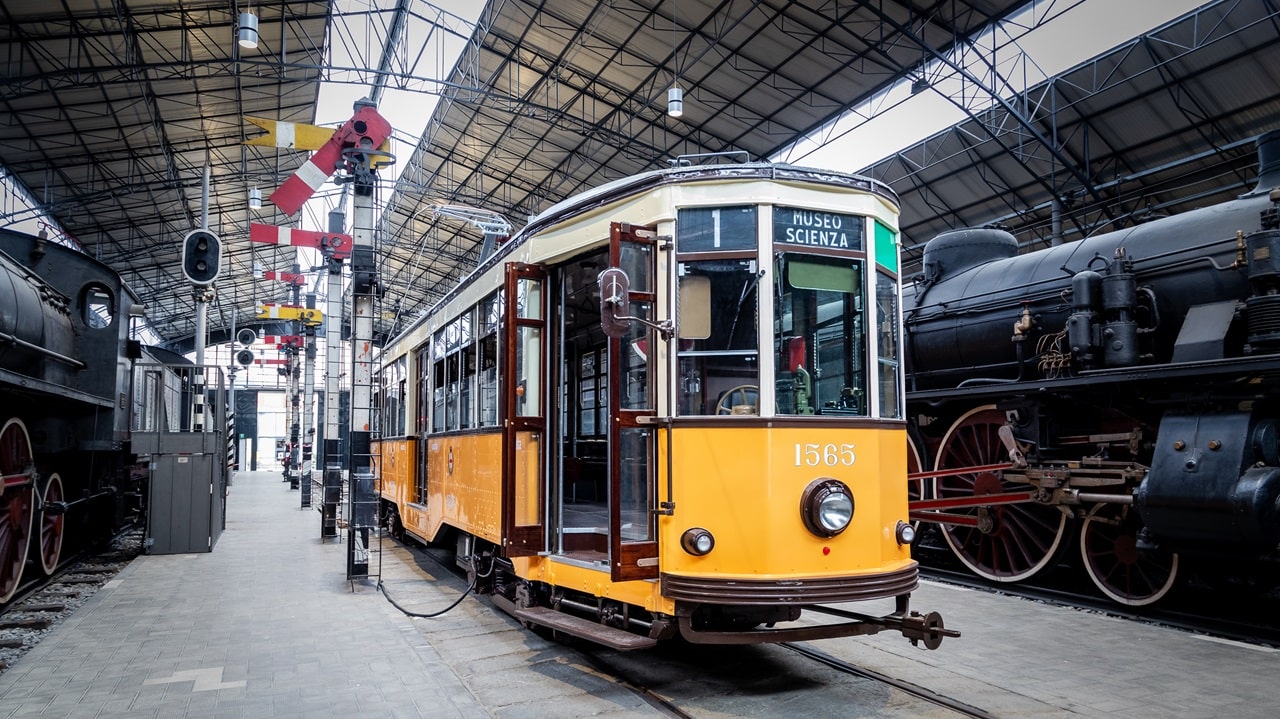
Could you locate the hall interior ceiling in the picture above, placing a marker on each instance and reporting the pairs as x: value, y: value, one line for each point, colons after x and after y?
x: 113, y: 111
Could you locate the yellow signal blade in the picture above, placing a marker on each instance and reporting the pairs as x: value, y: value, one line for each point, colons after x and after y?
x: 289, y: 135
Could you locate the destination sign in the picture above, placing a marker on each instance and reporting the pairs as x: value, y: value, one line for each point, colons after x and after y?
x: 814, y: 228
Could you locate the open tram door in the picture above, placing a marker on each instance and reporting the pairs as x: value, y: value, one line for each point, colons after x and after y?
x: 524, y: 431
x: 633, y: 545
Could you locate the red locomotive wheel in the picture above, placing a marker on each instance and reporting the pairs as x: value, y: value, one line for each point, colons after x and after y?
x: 1013, y: 542
x: 1109, y: 547
x: 51, y: 526
x: 17, y: 505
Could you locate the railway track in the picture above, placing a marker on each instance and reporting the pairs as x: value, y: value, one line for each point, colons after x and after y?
x: 42, y: 604
x: 906, y: 687
x: 1195, y: 610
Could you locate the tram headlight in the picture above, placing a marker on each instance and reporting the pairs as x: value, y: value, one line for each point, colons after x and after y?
x: 697, y: 541
x: 826, y: 507
x: 905, y: 533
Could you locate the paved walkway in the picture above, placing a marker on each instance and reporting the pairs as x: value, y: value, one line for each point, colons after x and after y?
x: 267, y: 626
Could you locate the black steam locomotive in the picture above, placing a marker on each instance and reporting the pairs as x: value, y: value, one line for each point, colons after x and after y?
x: 1128, y: 383
x: 65, y: 362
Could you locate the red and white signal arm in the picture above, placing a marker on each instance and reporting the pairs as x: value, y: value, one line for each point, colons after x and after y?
x: 366, y: 128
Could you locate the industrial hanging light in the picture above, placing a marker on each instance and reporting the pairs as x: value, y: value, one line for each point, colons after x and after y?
x: 255, y: 198
x: 248, y: 35
x: 675, y: 101
x: 675, y: 95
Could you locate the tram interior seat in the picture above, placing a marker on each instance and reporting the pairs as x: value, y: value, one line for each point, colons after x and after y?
x: 584, y: 479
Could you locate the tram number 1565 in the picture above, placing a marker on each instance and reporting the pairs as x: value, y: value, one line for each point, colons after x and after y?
x: 824, y: 455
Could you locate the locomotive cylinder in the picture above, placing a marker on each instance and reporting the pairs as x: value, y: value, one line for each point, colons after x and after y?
x: 1208, y: 483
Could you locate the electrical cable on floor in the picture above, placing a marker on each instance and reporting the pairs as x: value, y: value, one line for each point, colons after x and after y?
x: 470, y: 586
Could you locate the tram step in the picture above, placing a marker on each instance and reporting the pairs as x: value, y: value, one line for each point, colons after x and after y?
x: 610, y: 637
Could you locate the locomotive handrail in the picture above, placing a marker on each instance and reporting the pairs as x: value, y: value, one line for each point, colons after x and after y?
x: 12, y: 339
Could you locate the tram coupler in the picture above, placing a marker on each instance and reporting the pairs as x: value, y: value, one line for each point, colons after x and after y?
x: 925, y: 628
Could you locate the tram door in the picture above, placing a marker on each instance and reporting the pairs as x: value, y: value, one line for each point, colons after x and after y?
x: 524, y: 431
x: 633, y: 546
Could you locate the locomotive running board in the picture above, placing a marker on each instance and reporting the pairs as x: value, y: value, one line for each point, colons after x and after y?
x: 610, y: 637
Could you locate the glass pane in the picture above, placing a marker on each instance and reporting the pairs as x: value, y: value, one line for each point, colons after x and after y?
x: 529, y: 299
x: 528, y: 484
x: 888, y: 344
x: 97, y: 308
x: 637, y: 489
x: 453, y: 390
x: 813, y: 228
x: 636, y: 260
x: 437, y: 399
x: 398, y: 393
x: 715, y: 229
x: 490, y: 313
x: 489, y: 381
x: 820, y: 344
x: 423, y: 390
x: 528, y: 371
x: 720, y: 371
x: 635, y: 360
x: 468, y: 387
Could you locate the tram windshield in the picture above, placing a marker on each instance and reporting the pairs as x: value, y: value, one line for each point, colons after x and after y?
x: 820, y: 335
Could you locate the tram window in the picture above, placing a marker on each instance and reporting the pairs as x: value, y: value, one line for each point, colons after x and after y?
x: 437, y: 398
x: 489, y: 317
x: 423, y: 389
x: 396, y: 394
x: 819, y: 344
x: 528, y: 371
x: 401, y: 408
x: 592, y: 386
x: 635, y: 360
x: 727, y: 357
x: 489, y: 381
x: 716, y: 229
x: 468, y: 387
x: 887, y: 332
x: 452, y: 390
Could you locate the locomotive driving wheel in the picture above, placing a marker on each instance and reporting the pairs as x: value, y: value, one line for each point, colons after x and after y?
x: 51, y: 526
x: 1011, y: 542
x: 17, y: 505
x: 1115, y: 563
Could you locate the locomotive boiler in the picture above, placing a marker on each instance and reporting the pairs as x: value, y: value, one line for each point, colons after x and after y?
x: 1128, y: 380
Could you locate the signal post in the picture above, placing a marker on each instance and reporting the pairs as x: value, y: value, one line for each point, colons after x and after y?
x: 353, y: 150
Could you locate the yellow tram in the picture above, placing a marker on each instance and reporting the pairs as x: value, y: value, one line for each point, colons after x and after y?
x: 669, y: 405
